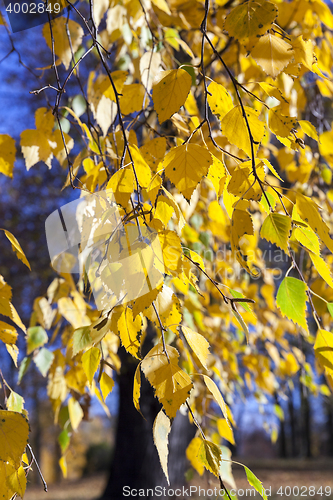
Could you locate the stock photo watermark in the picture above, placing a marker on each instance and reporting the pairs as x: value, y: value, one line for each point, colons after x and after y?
x: 122, y: 259
x: 192, y: 491
x: 27, y: 14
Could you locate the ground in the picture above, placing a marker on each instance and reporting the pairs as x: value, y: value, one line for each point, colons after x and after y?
x: 277, y: 475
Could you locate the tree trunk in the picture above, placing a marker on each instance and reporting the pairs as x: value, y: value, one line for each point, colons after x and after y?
x: 292, y: 419
x: 306, y: 449
x: 135, y: 463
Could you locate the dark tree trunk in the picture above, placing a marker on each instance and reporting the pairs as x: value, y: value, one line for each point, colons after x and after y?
x: 282, y: 434
x: 306, y: 449
x: 292, y: 419
x: 135, y: 461
x: 329, y: 412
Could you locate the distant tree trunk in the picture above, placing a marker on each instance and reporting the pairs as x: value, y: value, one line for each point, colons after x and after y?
x: 135, y: 461
x: 306, y: 449
x: 329, y: 412
x: 282, y: 434
x: 291, y: 410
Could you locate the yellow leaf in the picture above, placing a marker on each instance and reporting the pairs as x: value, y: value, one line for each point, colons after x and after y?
x: 119, y: 77
x: 6, y: 492
x: 75, y: 413
x: 164, y: 210
x: 210, y: 456
x: 41, y: 144
x: 324, y: 13
x: 72, y: 311
x: 141, y: 303
x: 168, y: 308
x: 7, y: 154
x: 100, y: 399
x: 8, y: 333
x: 179, y: 215
x: 324, y: 348
x: 130, y: 330
x: 132, y: 98
x: 309, y: 129
x: 198, y: 344
x: 172, y: 251
x: 90, y: 362
x: 17, y: 481
x: 308, y: 239
x: 289, y: 366
x: 7, y: 308
x: 303, y: 52
x: 106, y: 384
x: 192, y: 455
x: 14, y: 433
x: 250, y: 19
x: 15, y: 402
x: 219, y: 101
x: 137, y: 388
x: 63, y: 466
x: 243, y: 183
x: 322, y: 268
x: 172, y: 385
x: 16, y: 247
x: 62, y: 47
x: 153, y: 152
x: 276, y: 228
x: 122, y: 185
x: 161, y: 431
x: 170, y: 91
x: 273, y: 54
x: 309, y: 211
x: 234, y: 128
x: 215, y: 391
x: 225, y: 430
x: 279, y: 124
x: 217, y: 175
x: 186, y: 165
x: 142, y: 169
x: 13, y: 352
x: 241, y: 224
x: 162, y: 5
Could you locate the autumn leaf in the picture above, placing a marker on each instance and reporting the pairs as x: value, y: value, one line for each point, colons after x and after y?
x: 234, y: 127
x: 273, y: 54
x: 161, y: 430
x: 62, y: 47
x: 90, y: 362
x: 250, y: 19
x: 14, y: 431
x: 210, y: 456
x: 276, y: 228
x: 198, y: 344
x: 130, y: 330
x: 172, y: 385
x: 186, y: 165
x: 170, y: 91
x: 309, y: 211
x: 219, y: 100
x: 7, y: 154
x: 16, y: 247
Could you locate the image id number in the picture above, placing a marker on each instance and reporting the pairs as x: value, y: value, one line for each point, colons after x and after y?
x: 304, y: 491
x: 32, y: 8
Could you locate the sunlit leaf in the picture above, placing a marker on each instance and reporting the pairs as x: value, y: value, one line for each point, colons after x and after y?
x: 291, y: 299
x: 186, y: 165
x: 161, y: 430
x: 170, y: 91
